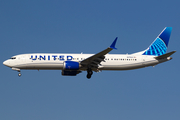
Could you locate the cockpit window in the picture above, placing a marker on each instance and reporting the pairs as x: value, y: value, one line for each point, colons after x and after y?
x: 13, y: 58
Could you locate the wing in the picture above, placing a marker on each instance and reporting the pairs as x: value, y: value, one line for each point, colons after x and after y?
x: 95, y: 60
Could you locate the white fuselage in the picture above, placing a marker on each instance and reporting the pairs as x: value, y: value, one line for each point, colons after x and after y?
x: 55, y: 61
x: 73, y: 64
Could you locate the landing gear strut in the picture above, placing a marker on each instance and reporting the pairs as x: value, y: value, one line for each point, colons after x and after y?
x: 89, y: 73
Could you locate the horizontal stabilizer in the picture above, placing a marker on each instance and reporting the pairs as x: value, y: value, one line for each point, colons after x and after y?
x: 165, y: 55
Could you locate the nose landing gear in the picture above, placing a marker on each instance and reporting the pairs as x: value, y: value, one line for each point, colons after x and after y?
x: 18, y: 70
x: 19, y: 74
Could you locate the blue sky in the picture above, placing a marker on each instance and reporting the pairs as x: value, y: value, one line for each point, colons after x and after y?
x: 68, y: 26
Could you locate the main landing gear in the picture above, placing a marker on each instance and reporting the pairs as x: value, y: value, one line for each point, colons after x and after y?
x: 89, y: 73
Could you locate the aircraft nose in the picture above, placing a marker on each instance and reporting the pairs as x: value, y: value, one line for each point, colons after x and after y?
x: 6, y: 63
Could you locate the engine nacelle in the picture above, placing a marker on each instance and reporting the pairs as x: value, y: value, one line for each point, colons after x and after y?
x: 71, y: 65
x: 70, y: 72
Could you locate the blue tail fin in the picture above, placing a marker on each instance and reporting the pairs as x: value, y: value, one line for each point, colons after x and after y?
x: 160, y: 44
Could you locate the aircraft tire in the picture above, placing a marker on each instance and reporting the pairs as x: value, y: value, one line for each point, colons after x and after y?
x: 19, y: 74
x: 88, y: 76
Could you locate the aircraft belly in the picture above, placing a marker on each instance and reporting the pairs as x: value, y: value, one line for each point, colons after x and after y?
x: 122, y: 67
x: 129, y: 66
x: 51, y: 66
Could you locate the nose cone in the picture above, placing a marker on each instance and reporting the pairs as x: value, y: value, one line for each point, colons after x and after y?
x: 6, y: 63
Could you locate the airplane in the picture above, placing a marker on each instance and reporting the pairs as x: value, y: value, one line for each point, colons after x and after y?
x: 73, y: 64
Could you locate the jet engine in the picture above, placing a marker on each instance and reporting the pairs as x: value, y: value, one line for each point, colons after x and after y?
x: 70, y: 65
x: 70, y: 68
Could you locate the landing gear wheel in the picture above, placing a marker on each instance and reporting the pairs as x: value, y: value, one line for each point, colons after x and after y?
x: 88, y: 76
x: 19, y: 74
x: 89, y: 73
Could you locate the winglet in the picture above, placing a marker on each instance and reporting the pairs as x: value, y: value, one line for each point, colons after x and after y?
x: 114, y: 43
